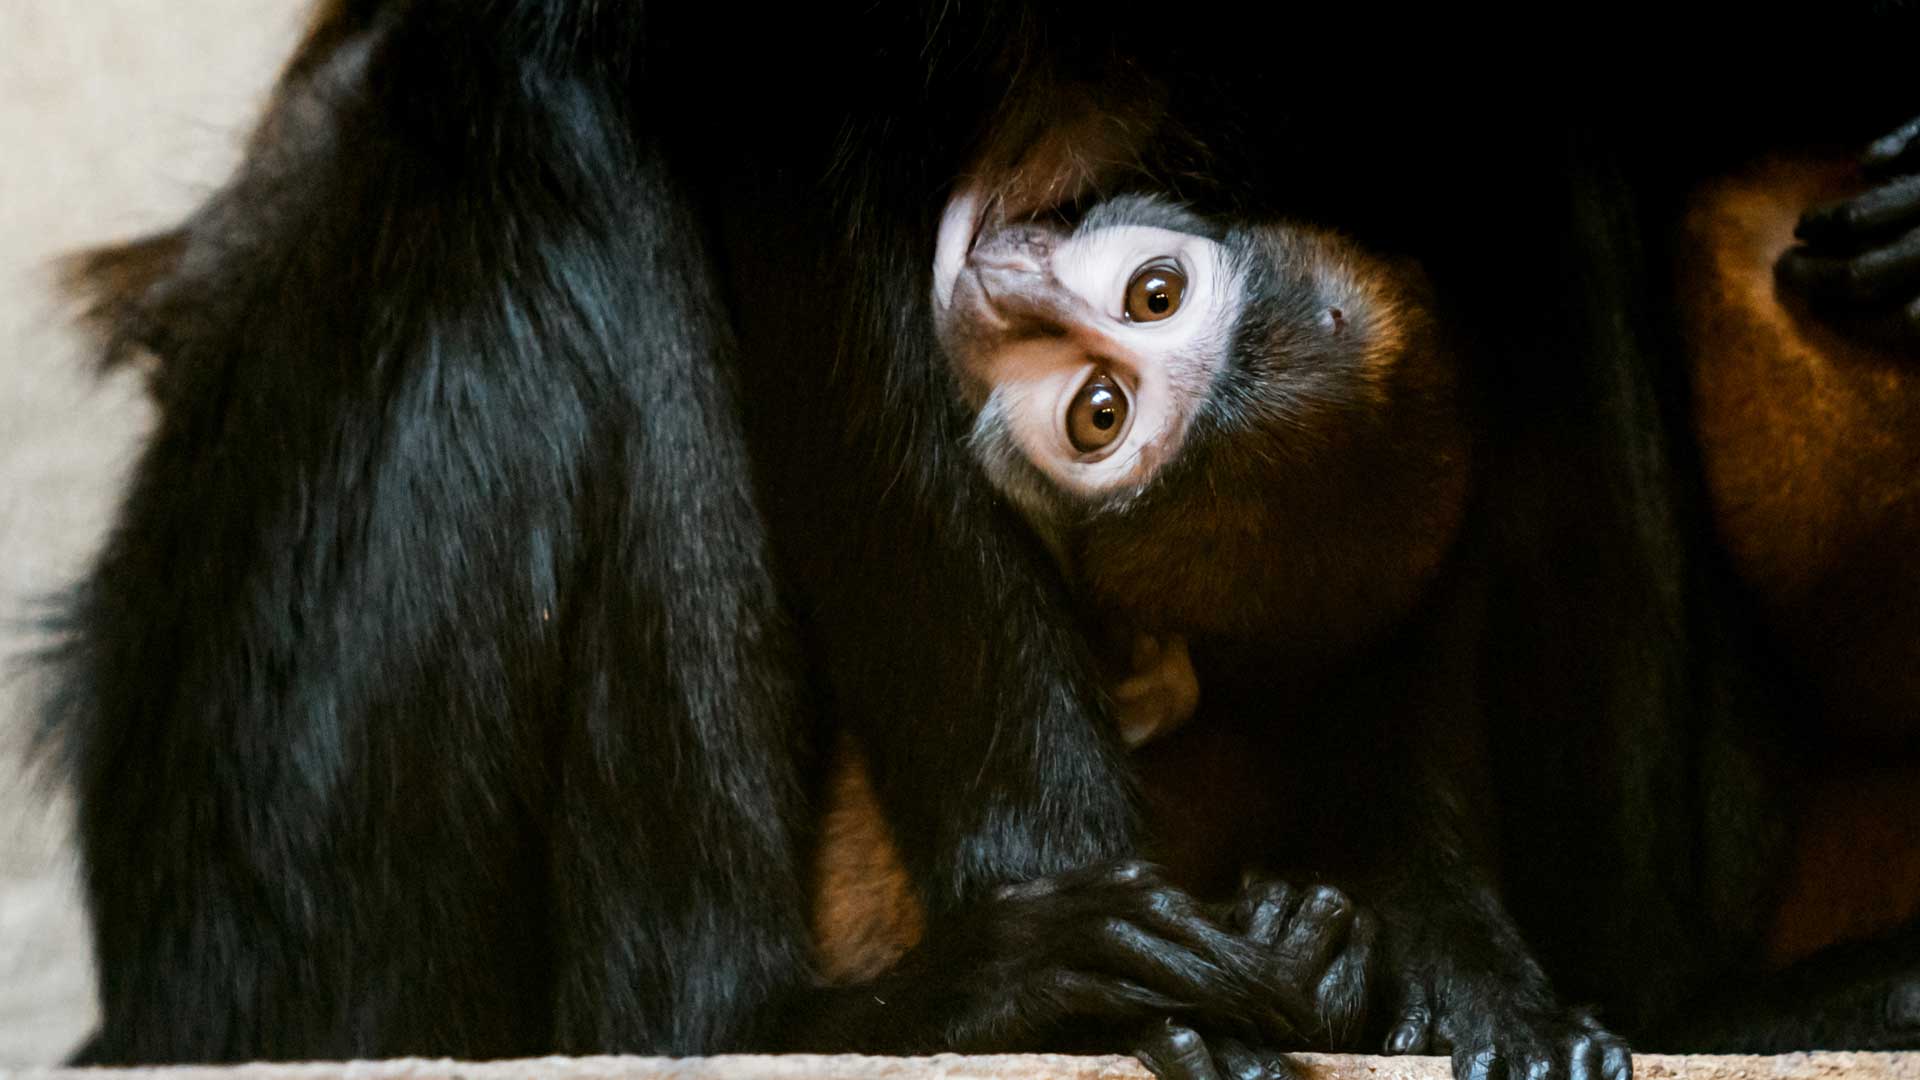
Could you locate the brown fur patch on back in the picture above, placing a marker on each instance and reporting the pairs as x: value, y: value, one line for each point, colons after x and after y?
x: 1857, y: 864
x: 1811, y: 442
x: 866, y: 911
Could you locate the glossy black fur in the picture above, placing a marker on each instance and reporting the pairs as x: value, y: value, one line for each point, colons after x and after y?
x: 434, y: 693
x: 439, y: 589
x: 552, y: 429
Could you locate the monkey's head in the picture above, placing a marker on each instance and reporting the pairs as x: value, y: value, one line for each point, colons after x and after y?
x: 1245, y: 432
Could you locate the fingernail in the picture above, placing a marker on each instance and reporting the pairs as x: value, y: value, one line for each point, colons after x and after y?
x: 1402, y: 1038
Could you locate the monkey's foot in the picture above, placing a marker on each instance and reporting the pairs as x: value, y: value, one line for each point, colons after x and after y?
x: 1160, y: 691
x: 1491, y: 1039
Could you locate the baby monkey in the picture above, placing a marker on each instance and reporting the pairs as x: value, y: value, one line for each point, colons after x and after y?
x: 1247, y: 434
x: 1254, y: 439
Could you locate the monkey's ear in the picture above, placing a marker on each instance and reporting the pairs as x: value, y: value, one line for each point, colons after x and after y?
x: 1059, y: 143
x: 117, y: 288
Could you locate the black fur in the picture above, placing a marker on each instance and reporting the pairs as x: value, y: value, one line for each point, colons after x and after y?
x: 439, y: 589
x: 551, y: 430
x: 433, y: 694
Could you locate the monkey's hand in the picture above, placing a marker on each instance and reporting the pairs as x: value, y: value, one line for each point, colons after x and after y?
x: 1159, y: 692
x: 1315, y: 953
x: 1859, y: 259
x: 1085, y: 960
x: 1319, y: 951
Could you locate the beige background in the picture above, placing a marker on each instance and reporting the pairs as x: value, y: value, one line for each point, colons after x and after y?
x: 116, y: 116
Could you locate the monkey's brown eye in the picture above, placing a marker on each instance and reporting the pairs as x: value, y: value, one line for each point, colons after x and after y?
x: 1098, y: 414
x: 1154, y: 293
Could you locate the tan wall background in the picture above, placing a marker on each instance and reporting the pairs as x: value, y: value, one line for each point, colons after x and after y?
x: 116, y: 117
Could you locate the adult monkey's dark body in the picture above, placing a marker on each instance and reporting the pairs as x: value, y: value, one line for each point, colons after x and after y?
x: 479, y: 644
x: 363, y: 671
x: 433, y: 695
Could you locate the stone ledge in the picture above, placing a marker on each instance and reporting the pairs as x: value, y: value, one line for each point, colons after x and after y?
x: 1811, y: 1066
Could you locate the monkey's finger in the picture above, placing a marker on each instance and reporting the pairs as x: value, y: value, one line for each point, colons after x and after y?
x: 1318, y: 929
x: 1080, y: 994
x: 1895, y: 150
x: 1616, y: 1061
x: 1850, y: 223
x: 1239, y: 976
x: 1167, y: 967
x: 1412, y: 1033
x: 1875, y: 276
x: 1478, y: 1063
x: 1583, y: 1058
x: 1122, y: 873
x: 1262, y: 911
x: 1241, y: 1062
x: 1342, y: 993
x: 1168, y: 943
x: 1217, y: 986
x: 1174, y: 1052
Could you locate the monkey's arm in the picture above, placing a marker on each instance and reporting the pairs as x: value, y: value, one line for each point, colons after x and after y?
x: 1455, y: 976
x: 1461, y: 981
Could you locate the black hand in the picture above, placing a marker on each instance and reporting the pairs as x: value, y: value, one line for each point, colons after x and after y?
x: 1319, y: 951
x: 1313, y: 952
x: 1091, y: 957
x: 1859, y: 258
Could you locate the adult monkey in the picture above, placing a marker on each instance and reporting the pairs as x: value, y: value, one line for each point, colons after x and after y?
x: 439, y: 612
x: 470, y: 510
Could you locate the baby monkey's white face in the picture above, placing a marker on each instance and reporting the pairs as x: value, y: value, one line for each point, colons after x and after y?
x: 1248, y: 431
x: 1084, y: 351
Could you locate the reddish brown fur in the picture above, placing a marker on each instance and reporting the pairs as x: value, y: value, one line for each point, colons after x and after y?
x: 866, y: 912
x: 114, y: 284
x: 1811, y: 441
x: 1811, y: 445
x: 1857, y: 863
